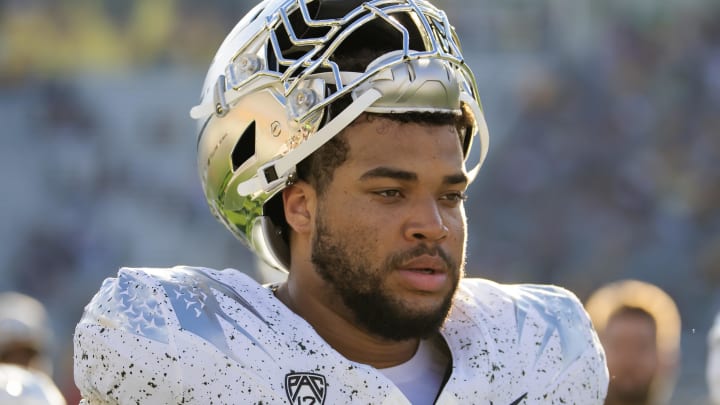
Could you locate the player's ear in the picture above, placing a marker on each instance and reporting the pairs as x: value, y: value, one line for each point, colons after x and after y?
x: 299, y: 204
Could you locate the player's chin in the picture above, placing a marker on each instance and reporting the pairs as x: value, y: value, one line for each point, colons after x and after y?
x: 422, y: 302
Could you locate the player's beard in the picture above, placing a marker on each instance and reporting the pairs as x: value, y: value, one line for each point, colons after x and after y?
x: 345, y: 264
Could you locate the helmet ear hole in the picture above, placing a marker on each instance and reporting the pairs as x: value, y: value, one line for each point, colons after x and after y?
x: 244, y: 148
x: 275, y: 210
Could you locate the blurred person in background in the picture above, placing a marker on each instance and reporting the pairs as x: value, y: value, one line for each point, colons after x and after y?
x: 25, y: 352
x: 25, y: 332
x: 639, y: 327
x: 713, y: 362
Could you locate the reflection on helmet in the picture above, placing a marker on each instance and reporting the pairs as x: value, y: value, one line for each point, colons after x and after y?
x: 20, y: 386
x: 284, y: 82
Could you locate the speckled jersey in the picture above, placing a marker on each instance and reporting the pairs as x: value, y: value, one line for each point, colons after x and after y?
x: 200, y: 336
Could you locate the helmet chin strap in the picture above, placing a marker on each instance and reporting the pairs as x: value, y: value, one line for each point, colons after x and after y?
x: 482, y: 133
x: 277, y: 172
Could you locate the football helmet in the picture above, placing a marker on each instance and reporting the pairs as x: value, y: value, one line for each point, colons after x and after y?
x: 272, y: 95
x: 25, y: 332
x: 24, y: 386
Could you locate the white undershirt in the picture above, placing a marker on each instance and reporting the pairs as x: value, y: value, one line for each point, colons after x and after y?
x: 420, y: 377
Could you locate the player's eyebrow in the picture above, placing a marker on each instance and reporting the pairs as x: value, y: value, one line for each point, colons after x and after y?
x: 404, y: 175
x: 390, y: 173
x: 459, y: 178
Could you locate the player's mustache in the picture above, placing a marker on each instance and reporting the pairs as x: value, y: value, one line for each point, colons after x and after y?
x: 398, y: 259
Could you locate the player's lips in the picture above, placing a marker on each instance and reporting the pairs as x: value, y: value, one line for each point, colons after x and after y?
x: 424, y: 273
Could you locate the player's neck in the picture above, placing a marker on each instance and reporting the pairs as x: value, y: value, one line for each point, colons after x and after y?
x: 339, y: 331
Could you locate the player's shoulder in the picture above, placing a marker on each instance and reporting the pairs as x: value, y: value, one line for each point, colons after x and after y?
x: 128, y: 279
x: 541, y: 297
x: 177, y: 275
x: 521, y: 309
x: 145, y: 293
x: 542, y: 330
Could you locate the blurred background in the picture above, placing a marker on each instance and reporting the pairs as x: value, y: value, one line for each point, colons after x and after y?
x: 604, y: 162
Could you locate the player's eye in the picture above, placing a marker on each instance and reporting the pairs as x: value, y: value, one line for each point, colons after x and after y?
x: 391, y: 193
x: 455, y: 196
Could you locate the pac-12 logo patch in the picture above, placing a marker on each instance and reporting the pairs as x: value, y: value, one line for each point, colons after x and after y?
x: 305, y: 388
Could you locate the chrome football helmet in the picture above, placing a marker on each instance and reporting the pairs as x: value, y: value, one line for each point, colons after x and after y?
x: 272, y: 93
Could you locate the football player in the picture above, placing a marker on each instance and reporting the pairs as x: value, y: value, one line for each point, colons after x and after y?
x: 337, y: 140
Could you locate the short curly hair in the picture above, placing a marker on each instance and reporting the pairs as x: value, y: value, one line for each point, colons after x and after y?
x: 318, y: 168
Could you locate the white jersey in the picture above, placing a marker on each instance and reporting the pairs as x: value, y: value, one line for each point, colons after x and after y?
x: 194, y: 335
